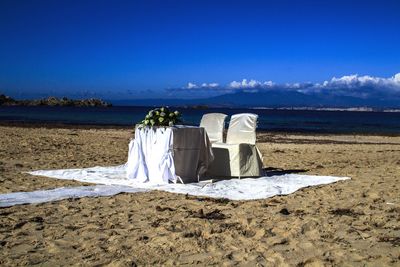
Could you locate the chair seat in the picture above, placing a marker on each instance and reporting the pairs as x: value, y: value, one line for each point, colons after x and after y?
x: 237, y: 160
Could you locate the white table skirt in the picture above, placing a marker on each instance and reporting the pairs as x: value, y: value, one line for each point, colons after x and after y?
x: 161, y: 155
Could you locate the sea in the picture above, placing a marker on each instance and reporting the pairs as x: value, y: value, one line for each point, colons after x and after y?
x: 272, y: 120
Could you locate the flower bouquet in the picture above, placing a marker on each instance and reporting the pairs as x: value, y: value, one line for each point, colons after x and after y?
x: 161, y: 117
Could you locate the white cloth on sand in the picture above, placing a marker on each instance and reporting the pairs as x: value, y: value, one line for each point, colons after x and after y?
x: 41, y: 196
x: 112, y: 180
x: 167, y: 154
x: 150, y: 156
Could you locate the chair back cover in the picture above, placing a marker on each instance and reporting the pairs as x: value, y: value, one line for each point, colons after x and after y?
x: 242, y: 129
x: 214, y: 123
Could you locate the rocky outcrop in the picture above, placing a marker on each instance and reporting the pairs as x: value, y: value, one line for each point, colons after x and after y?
x: 54, y: 101
x: 7, y: 101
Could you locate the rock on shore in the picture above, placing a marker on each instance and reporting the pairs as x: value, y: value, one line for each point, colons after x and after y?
x: 54, y: 101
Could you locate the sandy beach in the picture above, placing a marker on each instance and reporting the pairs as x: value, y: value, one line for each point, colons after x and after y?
x: 349, y: 223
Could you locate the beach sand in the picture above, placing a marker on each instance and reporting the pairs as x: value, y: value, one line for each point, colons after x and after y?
x: 349, y: 223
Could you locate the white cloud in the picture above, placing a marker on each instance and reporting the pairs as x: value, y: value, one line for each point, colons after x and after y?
x: 396, y: 78
x: 346, y: 82
x: 209, y: 85
x: 191, y: 85
x: 356, y: 81
x: 244, y: 84
x: 348, y: 85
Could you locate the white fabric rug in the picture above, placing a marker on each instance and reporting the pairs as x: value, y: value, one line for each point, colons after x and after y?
x: 41, y: 196
x: 111, y: 181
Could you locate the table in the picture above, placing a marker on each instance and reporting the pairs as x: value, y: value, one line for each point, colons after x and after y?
x: 161, y: 155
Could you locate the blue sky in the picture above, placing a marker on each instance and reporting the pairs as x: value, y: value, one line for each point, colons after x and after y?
x: 134, y: 49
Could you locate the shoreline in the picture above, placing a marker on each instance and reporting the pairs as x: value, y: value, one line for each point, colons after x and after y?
x: 61, y: 125
x: 327, y: 109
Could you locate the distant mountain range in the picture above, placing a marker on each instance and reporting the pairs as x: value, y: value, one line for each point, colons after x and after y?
x: 272, y: 99
x: 242, y: 99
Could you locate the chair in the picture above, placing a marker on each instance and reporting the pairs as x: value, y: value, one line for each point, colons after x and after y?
x: 239, y: 156
x: 214, y: 123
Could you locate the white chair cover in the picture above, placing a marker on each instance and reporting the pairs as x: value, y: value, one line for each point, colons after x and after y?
x: 239, y: 157
x: 214, y: 123
x: 242, y: 129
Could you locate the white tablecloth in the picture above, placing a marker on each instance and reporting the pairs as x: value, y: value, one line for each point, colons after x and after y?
x: 161, y: 155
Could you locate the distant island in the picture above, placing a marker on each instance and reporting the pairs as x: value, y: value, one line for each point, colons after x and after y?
x: 54, y: 101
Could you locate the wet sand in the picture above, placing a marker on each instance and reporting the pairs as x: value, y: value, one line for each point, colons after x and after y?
x: 350, y: 223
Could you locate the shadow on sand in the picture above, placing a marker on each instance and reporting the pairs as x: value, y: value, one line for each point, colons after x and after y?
x: 270, y: 171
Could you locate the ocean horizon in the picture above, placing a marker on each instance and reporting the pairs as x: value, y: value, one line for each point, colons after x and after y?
x: 273, y: 120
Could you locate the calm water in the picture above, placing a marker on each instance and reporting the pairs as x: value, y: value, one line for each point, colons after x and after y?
x: 270, y: 120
